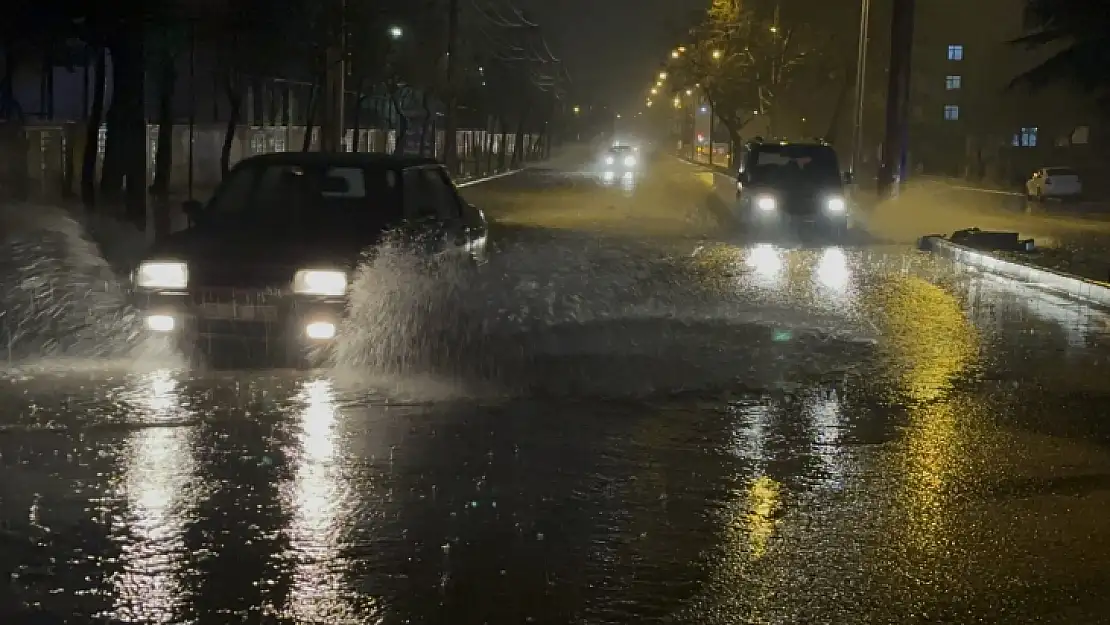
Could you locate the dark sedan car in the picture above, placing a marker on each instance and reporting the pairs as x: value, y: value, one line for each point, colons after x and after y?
x: 783, y: 184
x: 270, y: 258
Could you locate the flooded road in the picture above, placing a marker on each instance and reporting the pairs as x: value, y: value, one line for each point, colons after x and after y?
x: 649, y: 420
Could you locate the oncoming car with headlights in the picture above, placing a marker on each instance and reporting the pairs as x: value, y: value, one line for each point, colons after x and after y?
x: 269, y: 259
x: 785, y: 184
x: 620, y: 158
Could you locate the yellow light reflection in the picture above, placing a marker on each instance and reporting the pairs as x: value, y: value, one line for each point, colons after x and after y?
x: 160, y: 491
x: 320, y: 592
x: 930, y: 339
x: 932, y: 344
x: 764, y: 500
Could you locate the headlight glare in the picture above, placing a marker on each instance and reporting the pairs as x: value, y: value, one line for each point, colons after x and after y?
x: 162, y: 275
x: 766, y: 203
x: 836, y: 205
x: 320, y: 282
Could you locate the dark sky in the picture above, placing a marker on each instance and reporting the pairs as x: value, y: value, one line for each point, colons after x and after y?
x: 613, y: 47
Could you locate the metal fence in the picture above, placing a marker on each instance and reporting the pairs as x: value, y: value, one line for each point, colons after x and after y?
x: 54, y: 152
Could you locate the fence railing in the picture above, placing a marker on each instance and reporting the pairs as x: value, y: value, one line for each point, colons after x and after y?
x: 54, y: 152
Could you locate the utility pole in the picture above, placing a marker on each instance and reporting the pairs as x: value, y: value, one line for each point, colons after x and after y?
x: 335, y: 59
x: 450, y: 126
x: 861, y: 84
x: 895, y: 145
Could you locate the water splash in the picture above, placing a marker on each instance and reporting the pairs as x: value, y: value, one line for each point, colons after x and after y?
x: 61, y: 296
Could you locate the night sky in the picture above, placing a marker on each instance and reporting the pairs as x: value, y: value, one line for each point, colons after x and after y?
x: 613, y: 47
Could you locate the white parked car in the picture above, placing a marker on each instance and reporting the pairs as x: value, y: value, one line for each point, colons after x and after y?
x: 1054, y: 182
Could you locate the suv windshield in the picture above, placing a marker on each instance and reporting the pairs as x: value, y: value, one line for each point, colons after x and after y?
x: 286, y: 195
x: 773, y: 164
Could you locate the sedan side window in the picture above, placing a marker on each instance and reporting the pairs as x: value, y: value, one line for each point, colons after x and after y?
x: 429, y: 195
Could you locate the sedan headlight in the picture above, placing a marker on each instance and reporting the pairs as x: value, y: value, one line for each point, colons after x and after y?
x: 320, y: 282
x: 629, y: 161
x: 836, y: 205
x: 162, y: 275
x: 766, y: 203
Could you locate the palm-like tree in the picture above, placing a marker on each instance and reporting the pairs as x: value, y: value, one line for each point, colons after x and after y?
x: 1079, y: 32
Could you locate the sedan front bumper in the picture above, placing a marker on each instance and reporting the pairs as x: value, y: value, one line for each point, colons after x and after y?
x: 240, y: 315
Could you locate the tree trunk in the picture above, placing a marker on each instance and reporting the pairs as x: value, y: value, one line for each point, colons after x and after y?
x: 163, y: 160
x: 402, y: 125
x: 518, y: 147
x: 310, y: 118
x: 111, y: 169
x: 9, y: 106
x: 503, y: 152
x: 356, y: 121
x: 427, y: 121
x: 133, y: 115
x: 235, y: 104
x: 92, y: 131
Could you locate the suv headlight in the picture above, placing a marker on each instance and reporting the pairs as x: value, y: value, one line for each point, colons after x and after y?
x: 162, y: 275
x: 836, y: 205
x: 766, y: 203
x: 320, y: 282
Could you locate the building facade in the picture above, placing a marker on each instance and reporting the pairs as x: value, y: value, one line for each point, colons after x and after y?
x: 968, y: 120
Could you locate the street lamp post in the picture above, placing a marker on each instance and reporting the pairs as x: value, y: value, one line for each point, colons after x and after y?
x: 861, y: 84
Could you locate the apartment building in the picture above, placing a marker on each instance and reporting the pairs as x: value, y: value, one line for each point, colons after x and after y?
x: 966, y: 118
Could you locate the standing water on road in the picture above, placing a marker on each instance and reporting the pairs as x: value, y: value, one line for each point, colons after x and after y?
x: 592, y: 428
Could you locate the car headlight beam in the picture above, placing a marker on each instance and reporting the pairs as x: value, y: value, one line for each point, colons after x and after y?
x: 162, y: 275
x: 836, y: 205
x: 766, y: 203
x: 320, y: 282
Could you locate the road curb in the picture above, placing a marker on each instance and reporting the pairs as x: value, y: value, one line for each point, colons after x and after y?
x: 1081, y: 289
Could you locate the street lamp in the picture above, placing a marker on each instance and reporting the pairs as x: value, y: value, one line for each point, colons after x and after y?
x: 654, y: 90
x: 396, y: 32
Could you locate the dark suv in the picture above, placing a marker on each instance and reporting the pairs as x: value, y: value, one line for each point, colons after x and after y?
x: 792, y: 184
x: 270, y: 258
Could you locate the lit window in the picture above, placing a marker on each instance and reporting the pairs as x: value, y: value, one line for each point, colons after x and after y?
x: 953, y: 82
x: 955, y: 53
x: 951, y: 112
x: 1028, y: 137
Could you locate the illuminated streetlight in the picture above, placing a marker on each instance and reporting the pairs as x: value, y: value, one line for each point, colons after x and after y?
x: 774, y: 29
x: 662, y: 75
x: 654, y: 91
x: 689, y: 92
x: 675, y: 54
x: 396, y: 32
x: 618, y: 115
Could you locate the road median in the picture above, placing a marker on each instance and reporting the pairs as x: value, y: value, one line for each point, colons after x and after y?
x: 1021, y: 267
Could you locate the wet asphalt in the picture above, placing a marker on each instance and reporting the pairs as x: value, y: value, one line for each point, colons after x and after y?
x: 651, y: 418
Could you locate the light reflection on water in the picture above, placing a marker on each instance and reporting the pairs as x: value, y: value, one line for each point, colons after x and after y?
x: 319, y: 497
x: 158, y: 488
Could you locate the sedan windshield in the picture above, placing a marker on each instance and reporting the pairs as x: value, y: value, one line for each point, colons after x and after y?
x: 293, y: 196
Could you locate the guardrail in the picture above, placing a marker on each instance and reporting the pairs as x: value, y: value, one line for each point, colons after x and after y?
x: 1081, y: 289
